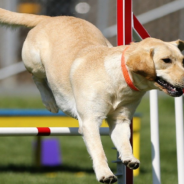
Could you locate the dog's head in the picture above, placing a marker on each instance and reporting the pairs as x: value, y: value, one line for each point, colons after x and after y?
x: 159, y: 62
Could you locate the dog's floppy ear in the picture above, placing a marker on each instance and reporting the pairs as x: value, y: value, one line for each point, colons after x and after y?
x: 179, y: 44
x: 141, y: 62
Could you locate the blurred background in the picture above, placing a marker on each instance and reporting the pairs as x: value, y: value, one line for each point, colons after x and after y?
x: 163, y: 19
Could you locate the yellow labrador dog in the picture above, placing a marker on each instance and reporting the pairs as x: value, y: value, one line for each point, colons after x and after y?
x: 78, y: 71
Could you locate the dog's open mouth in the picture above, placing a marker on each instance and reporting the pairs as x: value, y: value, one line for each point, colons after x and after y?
x: 170, y: 89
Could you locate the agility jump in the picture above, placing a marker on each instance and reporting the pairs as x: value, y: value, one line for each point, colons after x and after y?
x: 125, y: 28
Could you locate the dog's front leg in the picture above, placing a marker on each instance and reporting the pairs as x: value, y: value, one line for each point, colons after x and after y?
x: 120, y: 135
x: 91, y: 135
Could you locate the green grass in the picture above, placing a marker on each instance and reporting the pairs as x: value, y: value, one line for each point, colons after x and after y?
x: 16, y: 153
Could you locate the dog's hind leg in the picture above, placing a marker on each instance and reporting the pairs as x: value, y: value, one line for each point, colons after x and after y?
x: 31, y: 55
x: 46, y: 94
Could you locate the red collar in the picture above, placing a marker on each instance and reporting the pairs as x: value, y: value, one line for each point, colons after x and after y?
x: 125, y: 72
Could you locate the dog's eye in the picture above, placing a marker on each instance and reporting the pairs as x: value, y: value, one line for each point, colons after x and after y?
x: 167, y: 60
x: 183, y: 62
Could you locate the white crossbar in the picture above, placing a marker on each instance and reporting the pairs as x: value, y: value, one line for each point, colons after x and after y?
x: 28, y: 131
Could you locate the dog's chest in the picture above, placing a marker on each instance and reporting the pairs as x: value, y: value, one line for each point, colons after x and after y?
x: 125, y: 97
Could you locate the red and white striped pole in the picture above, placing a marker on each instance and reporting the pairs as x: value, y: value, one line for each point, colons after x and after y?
x: 124, y: 37
x: 44, y: 131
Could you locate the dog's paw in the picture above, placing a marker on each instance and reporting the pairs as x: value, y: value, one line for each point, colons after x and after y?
x: 109, y: 180
x: 105, y: 175
x: 132, y: 163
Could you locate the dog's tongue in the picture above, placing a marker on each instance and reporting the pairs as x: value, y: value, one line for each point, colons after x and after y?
x: 183, y: 90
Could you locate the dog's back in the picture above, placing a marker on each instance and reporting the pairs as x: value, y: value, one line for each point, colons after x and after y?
x: 51, y: 47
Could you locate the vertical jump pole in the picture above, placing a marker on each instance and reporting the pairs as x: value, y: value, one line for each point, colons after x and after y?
x: 179, y: 138
x: 155, y: 148
x: 124, y: 37
x: 142, y: 33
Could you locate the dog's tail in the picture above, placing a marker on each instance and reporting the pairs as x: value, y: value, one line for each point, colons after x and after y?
x: 12, y: 19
